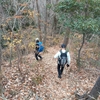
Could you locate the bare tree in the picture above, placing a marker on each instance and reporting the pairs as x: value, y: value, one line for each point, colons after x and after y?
x: 45, y: 24
x: 1, y: 87
x: 0, y: 54
x: 39, y: 17
x: 0, y: 36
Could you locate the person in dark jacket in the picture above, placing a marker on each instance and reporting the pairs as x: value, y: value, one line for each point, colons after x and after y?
x: 57, y: 55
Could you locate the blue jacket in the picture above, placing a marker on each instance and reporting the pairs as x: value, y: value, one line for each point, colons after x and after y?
x: 41, y: 47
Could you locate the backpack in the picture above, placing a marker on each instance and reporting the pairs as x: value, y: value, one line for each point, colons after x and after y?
x: 41, y: 47
x: 62, y: 60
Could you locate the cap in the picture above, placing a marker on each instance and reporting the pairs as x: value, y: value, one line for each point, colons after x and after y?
x: 63, y: 46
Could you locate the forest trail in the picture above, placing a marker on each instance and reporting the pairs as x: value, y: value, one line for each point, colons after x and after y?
x: 55, y: 88
x: 50, y: 87
x: 71, y: 81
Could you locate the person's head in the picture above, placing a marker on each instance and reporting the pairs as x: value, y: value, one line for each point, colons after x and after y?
x: 63, y: 46
x: 37, y: 40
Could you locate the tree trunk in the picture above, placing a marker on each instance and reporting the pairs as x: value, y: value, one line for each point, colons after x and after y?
x: 55, y: 24
x: 66, y: 37
x: 39, y: 20
x: 1, y: 87
x: 95, y: 92
x: 0, y: 53
x: 54, y: 19
x: 11, y: 52
x: 19, y: 58
x: 45, y: 24
x: 1, y: 15
x: 79, y: 52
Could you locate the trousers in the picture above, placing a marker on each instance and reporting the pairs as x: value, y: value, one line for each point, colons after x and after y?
x: 60, y: 70
x: 37, y: 56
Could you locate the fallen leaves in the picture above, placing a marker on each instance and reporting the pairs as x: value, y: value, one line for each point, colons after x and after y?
x: 40, y: 80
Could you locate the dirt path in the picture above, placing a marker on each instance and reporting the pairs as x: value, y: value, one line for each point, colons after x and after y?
x: 54, y: 88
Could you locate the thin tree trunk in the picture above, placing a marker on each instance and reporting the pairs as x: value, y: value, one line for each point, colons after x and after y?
x: 1, y: 87
x: 45, y: 25
x: 40, y: 36
x: 0, y: 53
x: 19, y: 58
x: 66, y: 37
x: 11, y: 51
x: 54, y: 20
x: 1, y: 15
x: 79, y: 52
x: 55, y: 24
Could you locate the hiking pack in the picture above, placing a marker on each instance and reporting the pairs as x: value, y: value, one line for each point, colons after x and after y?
x: 41, y: 47
x: 62, y: 60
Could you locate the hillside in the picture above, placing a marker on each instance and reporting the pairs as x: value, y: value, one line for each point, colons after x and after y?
x: 39, y: 80
x: 75, y: 23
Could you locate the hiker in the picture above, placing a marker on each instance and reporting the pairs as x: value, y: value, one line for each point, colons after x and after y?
x: 39, y: 48
x: 63, y: 59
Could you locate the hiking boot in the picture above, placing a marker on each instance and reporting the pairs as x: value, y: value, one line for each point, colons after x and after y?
x: 41, y: 58
x: 59, y: 76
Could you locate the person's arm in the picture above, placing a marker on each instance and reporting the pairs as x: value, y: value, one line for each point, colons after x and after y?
x: 68, y: 59
x: 57, y: 55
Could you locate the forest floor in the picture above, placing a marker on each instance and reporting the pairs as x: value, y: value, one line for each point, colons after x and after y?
x: 38, y: 80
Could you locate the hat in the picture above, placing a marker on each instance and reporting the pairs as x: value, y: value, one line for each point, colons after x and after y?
x: 63, y: 46
x: 36, y: 39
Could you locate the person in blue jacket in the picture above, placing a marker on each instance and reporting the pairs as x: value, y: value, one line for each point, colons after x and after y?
x: 39, y: 48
